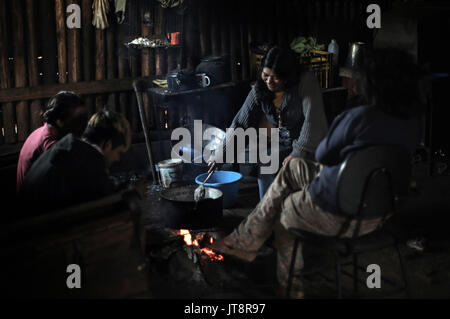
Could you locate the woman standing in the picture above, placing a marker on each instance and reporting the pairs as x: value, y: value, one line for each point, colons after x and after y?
x: 290, y: 99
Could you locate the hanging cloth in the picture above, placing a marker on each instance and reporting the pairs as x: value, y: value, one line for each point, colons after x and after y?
x: 120, y: 8
x: 100, y: 14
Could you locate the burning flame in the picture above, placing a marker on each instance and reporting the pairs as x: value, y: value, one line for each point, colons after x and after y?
x: 188, y: 240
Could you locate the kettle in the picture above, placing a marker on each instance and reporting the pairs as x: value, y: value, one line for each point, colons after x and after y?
x: 181, y: 80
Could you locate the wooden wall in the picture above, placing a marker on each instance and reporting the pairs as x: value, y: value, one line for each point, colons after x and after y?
x: 39, y: 55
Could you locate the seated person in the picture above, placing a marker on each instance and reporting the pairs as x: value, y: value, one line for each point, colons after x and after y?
x: 66, y: 113
x: 288, y: 98
x: 303, y: 194
x: 75, y: 170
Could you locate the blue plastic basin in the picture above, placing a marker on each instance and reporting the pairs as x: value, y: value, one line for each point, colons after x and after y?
x: 227, y: 182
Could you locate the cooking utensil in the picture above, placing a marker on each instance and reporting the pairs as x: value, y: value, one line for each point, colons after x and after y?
x: 199, y: 193
x: 179, y: 210
x: 216, y: 68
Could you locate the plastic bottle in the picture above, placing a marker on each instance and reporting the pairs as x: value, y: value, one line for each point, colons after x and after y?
x: 333, y: 47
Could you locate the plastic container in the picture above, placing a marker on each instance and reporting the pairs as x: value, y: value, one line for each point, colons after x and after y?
x: 226, y: 181
x: 333, y: 47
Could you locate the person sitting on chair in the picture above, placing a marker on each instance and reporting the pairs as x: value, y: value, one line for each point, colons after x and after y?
x: 66, y: 113
x: 288, y: 98
x: 303, y: 194
x: 75, y: 170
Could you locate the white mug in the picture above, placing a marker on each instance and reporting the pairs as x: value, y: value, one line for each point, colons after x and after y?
x: 203, y: 80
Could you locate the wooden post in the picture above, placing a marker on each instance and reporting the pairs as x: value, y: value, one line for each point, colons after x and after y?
x: 146, y: 67
x: 74, y: 50
x: 5, y: 79
x: 122, y: 68
x: 87, y: 28
x: 99, y: 64
x: 20, y: 69
x: 33, y: 76
x: 159, y: 58
x: 60, y: 10
x: 111, y: 64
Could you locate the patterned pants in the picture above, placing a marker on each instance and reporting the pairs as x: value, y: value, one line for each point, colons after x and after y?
x: 287, y: 203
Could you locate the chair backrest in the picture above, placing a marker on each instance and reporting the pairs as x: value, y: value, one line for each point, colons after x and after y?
x: 373, y: 181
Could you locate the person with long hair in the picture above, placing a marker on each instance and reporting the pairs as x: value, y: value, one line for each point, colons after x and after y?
x: 303, y: 194
x: 66, y: 113
x: 288, y: 98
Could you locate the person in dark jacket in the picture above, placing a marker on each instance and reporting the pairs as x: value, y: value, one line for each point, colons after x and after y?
x: 290, y: 99
x: 75, y: 170
x: 303, y: 195
x: 66, y: 113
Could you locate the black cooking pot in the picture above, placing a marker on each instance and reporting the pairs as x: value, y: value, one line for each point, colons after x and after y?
x: 179, y: 210
x: 217, y: 68
x: 181, y: 80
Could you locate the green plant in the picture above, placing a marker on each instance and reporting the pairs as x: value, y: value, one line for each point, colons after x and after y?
x: 303, y: 45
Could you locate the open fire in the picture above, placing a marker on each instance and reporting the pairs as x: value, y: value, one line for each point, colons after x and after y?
x: 196, y: 240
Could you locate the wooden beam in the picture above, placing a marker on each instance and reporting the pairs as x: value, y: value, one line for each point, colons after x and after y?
x: 83, y: 88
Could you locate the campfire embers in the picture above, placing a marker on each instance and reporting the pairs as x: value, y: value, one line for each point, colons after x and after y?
x: 196, y: 241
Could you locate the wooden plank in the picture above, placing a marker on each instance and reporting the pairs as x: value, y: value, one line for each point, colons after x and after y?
x: 61, y: 40
x: 160, y: 67
x: 83, y: 88
x: 20, y: 69
x: 74, y: 50
x: 122, y: 67
x: 5, y: 79
x: 48, y: 42
x: 100, y: 67
x: 88, y: 57
x: 36, y: 105
x: 146, y: 67
x: 111, y: 64
x: 86, y: 27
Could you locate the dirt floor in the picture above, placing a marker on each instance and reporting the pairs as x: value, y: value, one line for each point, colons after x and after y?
x: 425, y: 216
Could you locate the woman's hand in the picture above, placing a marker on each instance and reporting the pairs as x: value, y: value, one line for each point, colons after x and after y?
x: 287, y: 159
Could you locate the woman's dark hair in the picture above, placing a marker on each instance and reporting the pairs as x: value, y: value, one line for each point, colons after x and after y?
x: 285, y: 65
x: 391, y: 80
x: 62, y: 106
x: 108, y: 125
